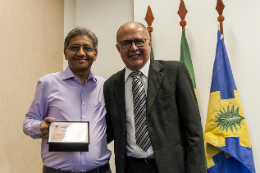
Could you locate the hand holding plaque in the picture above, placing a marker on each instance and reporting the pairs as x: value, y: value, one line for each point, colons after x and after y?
x: 68, y: 136
x: 44, y: 128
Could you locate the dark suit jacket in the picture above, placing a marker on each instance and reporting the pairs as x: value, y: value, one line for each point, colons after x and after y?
x: 173, y: 119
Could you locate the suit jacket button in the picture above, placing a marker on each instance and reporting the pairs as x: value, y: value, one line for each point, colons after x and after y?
x: 122, y: 157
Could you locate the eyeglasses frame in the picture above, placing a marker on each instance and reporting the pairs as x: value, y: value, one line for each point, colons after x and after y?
x: 145, y: 39
x: 86, y: 52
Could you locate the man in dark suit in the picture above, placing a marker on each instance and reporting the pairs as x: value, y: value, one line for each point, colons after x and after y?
x: 152, y: 111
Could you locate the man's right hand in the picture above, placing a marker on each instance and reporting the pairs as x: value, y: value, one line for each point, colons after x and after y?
x: 44, y: 127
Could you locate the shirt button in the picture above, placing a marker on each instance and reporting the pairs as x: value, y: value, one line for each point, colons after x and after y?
x: 84, y: 117
x: 83, y: 103
x: 83, y: 163
x: 83, y: 88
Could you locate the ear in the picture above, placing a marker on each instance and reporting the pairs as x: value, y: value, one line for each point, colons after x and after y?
x: 118, y: 48
x: 65, y: 53
x: 95, y: 55
x: 150, y: 42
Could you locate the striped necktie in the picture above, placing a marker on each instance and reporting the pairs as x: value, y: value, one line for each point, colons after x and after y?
x: 139, y: 100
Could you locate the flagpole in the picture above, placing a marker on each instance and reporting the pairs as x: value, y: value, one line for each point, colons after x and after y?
x: 149, y: 19
x: 182, y: 13
x: 220, y: 7
x: 185, y: 56
x: 134, y: 10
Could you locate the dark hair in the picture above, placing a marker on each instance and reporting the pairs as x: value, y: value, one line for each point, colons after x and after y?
x: 80, y: 30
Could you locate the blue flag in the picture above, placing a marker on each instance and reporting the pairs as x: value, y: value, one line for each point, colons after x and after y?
x: 228, y: 148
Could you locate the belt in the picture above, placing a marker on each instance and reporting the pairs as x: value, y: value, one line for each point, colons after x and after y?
x: 146, y: 160
x: 100, y: 169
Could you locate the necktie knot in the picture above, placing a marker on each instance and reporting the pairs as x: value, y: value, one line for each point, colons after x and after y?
x: 136, y: 74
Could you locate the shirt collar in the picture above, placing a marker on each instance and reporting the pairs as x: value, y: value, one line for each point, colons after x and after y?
x: 144, y: 70
x: 67, y: 74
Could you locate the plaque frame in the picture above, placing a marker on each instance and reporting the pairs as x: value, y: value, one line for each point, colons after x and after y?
x: 65, y: 146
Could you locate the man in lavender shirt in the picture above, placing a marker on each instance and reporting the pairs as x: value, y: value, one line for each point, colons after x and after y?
x: 74, y: 94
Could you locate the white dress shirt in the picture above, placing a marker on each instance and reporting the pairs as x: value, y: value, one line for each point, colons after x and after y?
x: 132, y: 149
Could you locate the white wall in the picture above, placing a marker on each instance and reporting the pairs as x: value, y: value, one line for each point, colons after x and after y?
x: 241, y: 34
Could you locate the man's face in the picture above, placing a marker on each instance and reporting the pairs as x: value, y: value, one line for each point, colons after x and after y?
x: 80, y: 53
x: 134, y: 57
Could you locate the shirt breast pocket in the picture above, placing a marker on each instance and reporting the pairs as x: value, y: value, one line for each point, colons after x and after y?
x: 99, y: 112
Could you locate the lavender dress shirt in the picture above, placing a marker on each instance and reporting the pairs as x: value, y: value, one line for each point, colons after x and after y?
x: 62, y: 96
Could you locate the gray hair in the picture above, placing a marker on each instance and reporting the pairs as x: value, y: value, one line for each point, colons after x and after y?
x: 147, y: 32
x: 80, y: 30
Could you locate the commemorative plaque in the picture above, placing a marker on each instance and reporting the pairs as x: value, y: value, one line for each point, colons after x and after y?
x: 68, y: 136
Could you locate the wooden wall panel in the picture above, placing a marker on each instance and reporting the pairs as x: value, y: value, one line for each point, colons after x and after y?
x: 31, y: 33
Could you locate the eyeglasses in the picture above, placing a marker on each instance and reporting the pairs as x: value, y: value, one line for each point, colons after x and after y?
x: 86, y: 49
x: 126, y: 44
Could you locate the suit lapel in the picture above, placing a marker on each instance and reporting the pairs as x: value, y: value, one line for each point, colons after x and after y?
x: 154, y: 82
x: 119, y: 93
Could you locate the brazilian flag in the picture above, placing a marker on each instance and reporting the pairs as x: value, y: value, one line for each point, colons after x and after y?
x: 186, y: 58
x: 151, y: 53
x: 228, y: 148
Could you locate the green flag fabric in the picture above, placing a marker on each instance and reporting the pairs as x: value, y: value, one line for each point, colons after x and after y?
x: 186, y: 58
x: 151, y: 53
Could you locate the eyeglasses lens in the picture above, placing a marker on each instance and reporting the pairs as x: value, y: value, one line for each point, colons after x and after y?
x: 126, y: 44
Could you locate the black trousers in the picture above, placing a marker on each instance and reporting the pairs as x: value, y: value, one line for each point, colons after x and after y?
x: 136, y: 165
